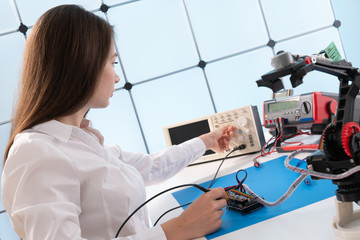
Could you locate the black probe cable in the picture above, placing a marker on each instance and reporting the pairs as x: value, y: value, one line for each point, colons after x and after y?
x: 172, y: 209
x: 243, y: 146
x: 167, y: 190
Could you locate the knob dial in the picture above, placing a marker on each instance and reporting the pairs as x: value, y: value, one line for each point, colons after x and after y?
x: 306, y: 107
x: 242, y: 121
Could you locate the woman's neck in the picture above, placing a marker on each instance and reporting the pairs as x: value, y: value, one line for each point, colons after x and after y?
x: 73, y: 119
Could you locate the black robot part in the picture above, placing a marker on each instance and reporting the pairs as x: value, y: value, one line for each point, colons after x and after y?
x: 332, y: 159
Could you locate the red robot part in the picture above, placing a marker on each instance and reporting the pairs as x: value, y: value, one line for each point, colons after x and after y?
x: 348, y: 130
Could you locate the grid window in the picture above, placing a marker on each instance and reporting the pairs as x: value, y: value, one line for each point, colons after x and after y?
x: 12, y: 46
x: 163, y: 102
x: 8, y: 12
x: 153, y: 38
x: 226, y: 27
x: 288, y: 18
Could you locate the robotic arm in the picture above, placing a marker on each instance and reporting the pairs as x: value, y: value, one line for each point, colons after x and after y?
x: 341, y: 139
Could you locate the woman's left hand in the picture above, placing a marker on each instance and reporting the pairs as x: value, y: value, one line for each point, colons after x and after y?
x: 219, y: 140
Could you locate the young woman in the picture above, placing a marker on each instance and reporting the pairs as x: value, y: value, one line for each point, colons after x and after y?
x: 59, y: 181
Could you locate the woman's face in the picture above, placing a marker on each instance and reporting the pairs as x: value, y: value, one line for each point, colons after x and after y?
x: 107, y: 81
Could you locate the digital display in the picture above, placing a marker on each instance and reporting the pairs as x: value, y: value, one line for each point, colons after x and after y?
x: 186, y: 132
x: 280, y: 106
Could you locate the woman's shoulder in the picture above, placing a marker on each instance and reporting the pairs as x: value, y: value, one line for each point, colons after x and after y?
x: 32, y: 144
x: 33, y: 149
x: 33, y: 138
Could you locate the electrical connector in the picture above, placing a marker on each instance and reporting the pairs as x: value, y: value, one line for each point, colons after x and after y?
x: 240, y: 147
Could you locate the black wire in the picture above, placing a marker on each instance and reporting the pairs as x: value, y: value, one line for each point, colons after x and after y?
x: 172, y: 209
x: 244, y: 178
x: 167, y: 190
x: 217, y: 171
x: 283, y: 138
x: 243, y: 146
x: 239, y: 185
x: 237, y: 148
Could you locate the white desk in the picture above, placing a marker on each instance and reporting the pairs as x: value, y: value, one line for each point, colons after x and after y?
x: 313, y: 222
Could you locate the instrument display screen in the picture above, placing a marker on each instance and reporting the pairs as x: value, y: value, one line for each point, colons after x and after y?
x: 186, y: 132
x: 281, y: 106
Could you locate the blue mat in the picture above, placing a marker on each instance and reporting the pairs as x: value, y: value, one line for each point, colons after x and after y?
x: 270, y: 181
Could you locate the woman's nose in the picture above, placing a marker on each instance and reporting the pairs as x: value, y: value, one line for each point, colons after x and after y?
x: 117, y: 78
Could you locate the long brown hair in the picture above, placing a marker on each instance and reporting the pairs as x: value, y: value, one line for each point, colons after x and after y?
x: 64, y: 55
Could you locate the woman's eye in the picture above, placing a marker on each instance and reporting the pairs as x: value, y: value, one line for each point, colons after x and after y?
x: 115, y: 63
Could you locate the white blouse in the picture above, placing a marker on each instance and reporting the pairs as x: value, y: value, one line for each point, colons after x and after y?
x: 59, y: 182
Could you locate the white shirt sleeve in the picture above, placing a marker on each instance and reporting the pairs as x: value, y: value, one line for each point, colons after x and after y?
x: 42, y: 195
x: 158, y: 166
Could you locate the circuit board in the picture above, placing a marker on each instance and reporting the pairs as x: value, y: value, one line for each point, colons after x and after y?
x: 242, y: 204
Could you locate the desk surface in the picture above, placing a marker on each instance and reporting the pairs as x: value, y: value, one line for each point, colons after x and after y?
x: 313, y: 221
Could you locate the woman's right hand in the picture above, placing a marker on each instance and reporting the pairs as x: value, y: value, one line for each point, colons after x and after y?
x: 202, y: 217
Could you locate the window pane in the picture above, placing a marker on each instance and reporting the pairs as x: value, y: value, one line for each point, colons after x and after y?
x: 11, y: 48
x: 289, y: 17
x: 153, y: 38
x: 118, y: 123
x: 8, y: 12
x: 180, y: 97
x: 30, y: 11
x: 6, y: 231
x: 348, y: 13
x: 4, y: 138
x: 233, y: 80
x: 226, y: 27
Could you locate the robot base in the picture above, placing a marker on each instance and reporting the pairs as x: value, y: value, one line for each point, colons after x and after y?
x: 346, y: 224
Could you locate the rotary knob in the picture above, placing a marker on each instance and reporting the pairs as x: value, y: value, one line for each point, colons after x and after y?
x: 306, y: 107
x: 242, y: 121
